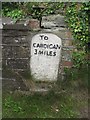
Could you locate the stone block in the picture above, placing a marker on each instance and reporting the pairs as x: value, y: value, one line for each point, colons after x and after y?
x: 67, y: 42
x: 19, y: 64
x: 14, y: 40
x: 34, y: 24
x: 67, y: 64
x: 69, y: 34
x: 45, y: 57
x: 15, y: 52
x: 14, y: 32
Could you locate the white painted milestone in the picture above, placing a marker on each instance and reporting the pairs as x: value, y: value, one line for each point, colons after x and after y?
x: 45, y: 56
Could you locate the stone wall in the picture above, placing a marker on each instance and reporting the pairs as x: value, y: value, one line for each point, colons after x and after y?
x: 16, y: 42
x: 15, y: 51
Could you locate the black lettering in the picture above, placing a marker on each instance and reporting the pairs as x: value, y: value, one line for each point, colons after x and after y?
x: 35, y: 51
x: 58, y: 46
x: 54, y: 53
x: 40, y: 52
x: 38, y: 45
x: 45, y: 38
x: 34, y: 44
x: 50, y: 53
x: 54, y: 47
x: 45, y: 46
x: 41, y: 36
x: 45, y: 52
x: 41, y: 45
x: 50, y: 46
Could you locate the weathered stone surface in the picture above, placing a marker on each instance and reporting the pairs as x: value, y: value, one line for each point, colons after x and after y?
x: 53, y: 21
x: 14, y: 40
x: 12, y: 81
x: 17, y: 63
x: 45, y: 56
x: 1, y: 26
x: 15, y: 49
x: 67, y: 43
x: 7, y: 20
x: 14, y: 32
x: 15, y: 27
x: 67, y: 64
x: 49, y: 24
x: 34, y: 24
x: 67, y: 55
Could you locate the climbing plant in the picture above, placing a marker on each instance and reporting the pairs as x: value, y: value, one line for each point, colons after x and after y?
x: 23, y: 9
x: 12, y: 9
x: 77, y: 17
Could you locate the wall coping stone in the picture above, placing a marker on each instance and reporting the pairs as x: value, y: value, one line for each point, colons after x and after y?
x: 16, y: 27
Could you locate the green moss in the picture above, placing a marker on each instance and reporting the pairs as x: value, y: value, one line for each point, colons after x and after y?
x: 61, y: 102
x: 38, y: 106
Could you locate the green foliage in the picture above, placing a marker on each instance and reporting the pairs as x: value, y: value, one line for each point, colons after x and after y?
x: 52, y: 7
x: 74, y: 75
x: 15, y: 14
x: 77, y: 19
x: 12, y: 10
x: 79, y: 58
x: 19, y: 10
x: 12, y: 105
x: 38, y: 106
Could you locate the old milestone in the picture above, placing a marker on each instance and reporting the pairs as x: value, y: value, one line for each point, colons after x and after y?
x: 45, y: 56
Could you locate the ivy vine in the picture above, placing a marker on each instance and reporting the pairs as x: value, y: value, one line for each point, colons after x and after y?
x: 77, y: 17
